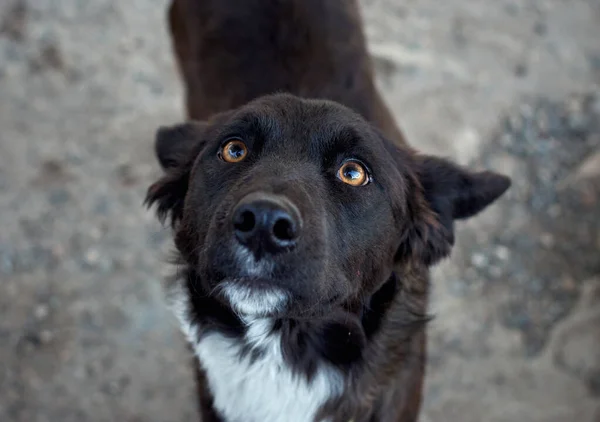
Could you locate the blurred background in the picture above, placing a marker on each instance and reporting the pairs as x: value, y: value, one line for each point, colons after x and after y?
x: 511, y: 85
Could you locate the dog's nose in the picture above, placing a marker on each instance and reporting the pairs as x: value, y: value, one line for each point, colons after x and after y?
x: 266, y: 224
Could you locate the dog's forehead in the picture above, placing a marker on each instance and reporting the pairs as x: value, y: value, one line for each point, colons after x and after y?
x: 318, y: 125
x: 307, y: 113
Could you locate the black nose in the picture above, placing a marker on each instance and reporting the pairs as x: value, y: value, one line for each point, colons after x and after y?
x: 266, y: 223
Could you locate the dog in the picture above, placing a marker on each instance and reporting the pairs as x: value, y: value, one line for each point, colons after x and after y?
x: 304, y: 224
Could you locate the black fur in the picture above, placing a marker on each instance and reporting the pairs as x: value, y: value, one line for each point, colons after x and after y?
x: 341, y: 274
x: 358, y: 273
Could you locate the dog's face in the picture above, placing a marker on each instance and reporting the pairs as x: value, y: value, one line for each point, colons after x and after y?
x: 288, y: 207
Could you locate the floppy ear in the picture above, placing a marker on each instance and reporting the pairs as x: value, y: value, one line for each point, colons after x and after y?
x: 176, y: 148
x: 449, y: 192
x: 173, y: 145
x: 457, y: 192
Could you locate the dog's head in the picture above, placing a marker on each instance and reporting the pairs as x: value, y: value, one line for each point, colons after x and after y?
x: 286, y: 206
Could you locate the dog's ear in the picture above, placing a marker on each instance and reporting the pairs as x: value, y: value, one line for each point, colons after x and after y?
x: 458, y: 192
x: 173, y: 145
x: 176, y: 148
x: 441, y: 193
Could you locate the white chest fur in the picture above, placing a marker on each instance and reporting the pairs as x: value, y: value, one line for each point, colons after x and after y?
x: 262, y: 390
x: 259, y: 390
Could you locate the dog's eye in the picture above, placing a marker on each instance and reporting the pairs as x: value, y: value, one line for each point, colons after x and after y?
x: 234, y: 151
x: 353, y: 173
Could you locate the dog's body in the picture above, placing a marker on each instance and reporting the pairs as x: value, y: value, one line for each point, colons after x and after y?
x: 231, y: 52
x: 304, y: 234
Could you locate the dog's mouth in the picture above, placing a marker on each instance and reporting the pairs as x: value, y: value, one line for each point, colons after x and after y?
x: 254, y: 297
x: 249, y: 286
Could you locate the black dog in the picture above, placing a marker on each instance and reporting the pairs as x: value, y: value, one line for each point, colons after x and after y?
x: 304, y: 233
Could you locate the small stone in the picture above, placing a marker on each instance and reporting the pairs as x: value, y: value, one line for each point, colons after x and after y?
x: 46, y: 336
x: 496, y: 271
x: 114, y: 388
x: 479, y: 260
x: 502, y: 253
x: 554, y: 211
x: 547, y: 240
x: 41, y: 312
x: 92, y: 256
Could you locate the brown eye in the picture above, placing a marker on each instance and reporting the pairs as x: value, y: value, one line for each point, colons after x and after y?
x: 353, y: 173
x: 234, y: 151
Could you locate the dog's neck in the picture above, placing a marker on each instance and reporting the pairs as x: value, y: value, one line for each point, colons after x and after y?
x: 315, y: 359
x: 337, y: 336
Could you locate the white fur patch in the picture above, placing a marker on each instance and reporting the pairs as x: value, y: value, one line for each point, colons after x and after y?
x: 263, y: 390
x: 248, y: 301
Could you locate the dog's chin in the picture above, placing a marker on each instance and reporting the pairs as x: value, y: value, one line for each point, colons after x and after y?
x: 259, y: 300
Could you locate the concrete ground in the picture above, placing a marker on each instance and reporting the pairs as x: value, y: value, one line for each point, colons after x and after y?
x: 507, y: 84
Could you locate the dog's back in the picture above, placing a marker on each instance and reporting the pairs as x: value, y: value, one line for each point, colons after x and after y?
x: 230, y: 52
